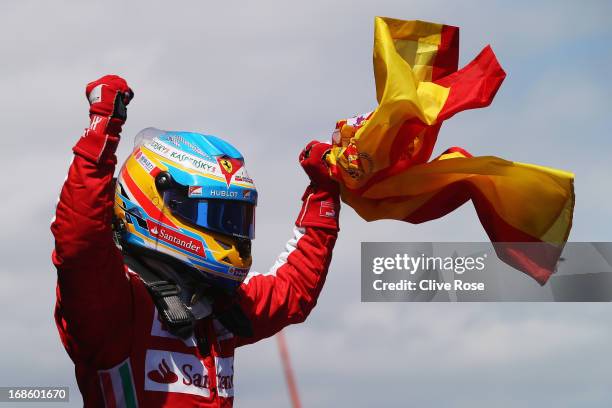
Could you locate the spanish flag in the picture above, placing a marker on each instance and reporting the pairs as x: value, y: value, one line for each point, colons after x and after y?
x: 382, y: 159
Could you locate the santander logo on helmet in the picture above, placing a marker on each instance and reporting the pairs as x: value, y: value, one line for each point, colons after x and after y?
x: 176, y: 238
x: 188, y: 196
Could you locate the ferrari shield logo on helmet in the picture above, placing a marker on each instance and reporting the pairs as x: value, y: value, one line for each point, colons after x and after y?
x: 229, y: 167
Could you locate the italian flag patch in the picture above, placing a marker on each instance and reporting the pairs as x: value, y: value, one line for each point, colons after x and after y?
x: 118, y: 386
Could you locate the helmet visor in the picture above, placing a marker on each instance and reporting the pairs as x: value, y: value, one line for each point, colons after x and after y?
x: 229, y: 217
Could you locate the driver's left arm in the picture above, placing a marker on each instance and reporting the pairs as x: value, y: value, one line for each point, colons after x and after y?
x: 288, y: 293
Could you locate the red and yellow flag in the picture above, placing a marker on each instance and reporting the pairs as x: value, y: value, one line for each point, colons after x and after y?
x: 381, y: 159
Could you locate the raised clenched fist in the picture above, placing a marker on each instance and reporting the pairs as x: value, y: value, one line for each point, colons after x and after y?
x: 312, y: 159
x: 109, y: 96
x: 108, y: 99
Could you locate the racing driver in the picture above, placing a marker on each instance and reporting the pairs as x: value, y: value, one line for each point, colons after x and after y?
x: 154, y: 291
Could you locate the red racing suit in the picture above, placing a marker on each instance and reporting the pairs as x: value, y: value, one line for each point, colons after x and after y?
x: 107, y: 320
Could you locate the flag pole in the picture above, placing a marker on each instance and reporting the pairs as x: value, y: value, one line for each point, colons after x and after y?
x: 291, y: 384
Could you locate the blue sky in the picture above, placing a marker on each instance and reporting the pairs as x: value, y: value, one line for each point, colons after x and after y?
x: 270, y: 76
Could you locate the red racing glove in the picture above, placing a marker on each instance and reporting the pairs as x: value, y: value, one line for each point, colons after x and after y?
x: 312, y: 159
x: 322, y: 197
x: 108, y: 99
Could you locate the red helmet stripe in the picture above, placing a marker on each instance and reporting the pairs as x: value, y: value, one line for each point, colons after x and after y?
x: 144, y: 201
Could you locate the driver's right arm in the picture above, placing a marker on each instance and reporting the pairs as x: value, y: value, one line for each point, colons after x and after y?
x: 93, y: 291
